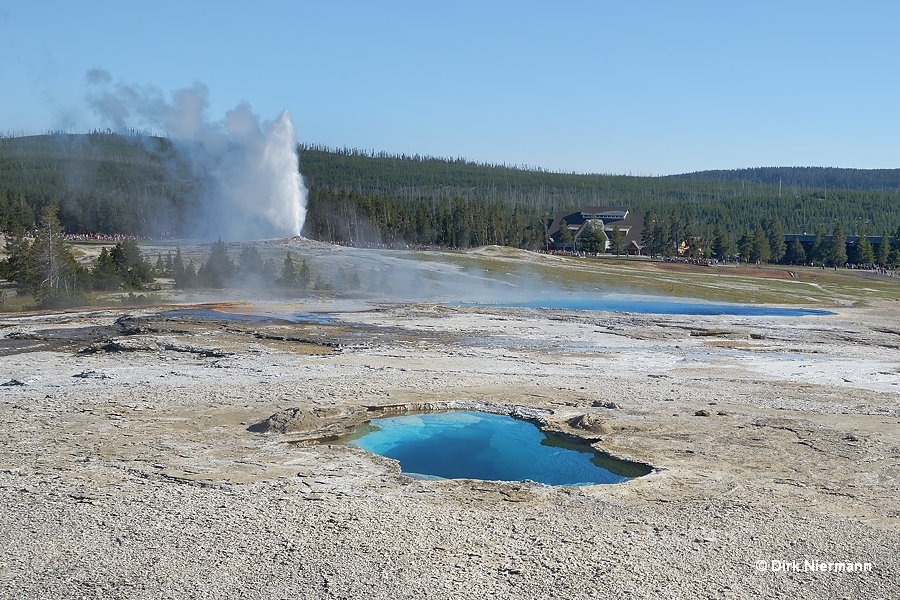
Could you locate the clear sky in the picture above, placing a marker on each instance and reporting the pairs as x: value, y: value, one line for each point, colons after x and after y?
x: 644, y: 88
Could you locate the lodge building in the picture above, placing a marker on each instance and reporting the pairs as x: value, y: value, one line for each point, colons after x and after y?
x: 609, y: 217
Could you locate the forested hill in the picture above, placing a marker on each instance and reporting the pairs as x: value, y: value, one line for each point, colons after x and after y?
x: 111, y: 183
x: 822, y: 178
x: 704, y: 203
x: 100, y: 182
x: 414, y: 176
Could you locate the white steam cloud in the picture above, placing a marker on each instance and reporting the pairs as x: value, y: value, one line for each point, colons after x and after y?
x: 252, y: 184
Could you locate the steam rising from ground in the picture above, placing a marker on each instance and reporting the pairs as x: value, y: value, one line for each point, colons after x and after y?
x: 252, y: 187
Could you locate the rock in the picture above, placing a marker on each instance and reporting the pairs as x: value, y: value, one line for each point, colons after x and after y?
x: 89, y: 374
x: 701, y: 413
x: 602, y: 404
x: 590, y: 422
x: 709, y: 332
x: 114, y: 346
x: 290, y: 420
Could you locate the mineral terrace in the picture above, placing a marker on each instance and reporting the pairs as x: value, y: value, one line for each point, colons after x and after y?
x: 148, y: 454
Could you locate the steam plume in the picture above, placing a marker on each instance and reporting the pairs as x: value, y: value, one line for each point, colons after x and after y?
x: 252, y: 185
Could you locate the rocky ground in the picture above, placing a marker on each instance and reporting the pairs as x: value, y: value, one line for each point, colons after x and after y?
x: 131, y: 465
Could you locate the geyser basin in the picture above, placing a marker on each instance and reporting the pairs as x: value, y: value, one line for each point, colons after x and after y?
x: 476, y: 445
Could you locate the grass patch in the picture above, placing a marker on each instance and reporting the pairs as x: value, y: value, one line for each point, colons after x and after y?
x: 12, y: 303
x: 771, y: 284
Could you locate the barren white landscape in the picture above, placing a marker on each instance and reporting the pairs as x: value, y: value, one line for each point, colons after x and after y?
x: 127, y: 469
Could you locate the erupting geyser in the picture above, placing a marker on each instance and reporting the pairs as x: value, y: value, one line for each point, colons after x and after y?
x: 255, y: 183
x: 291, y: 193
x: 252, y: 187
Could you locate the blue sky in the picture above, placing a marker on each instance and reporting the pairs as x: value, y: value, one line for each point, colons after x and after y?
x: 644, y: 88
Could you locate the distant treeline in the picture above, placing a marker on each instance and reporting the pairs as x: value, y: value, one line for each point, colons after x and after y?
x: 672, y: 237
x: 381, y: 220
x: 355, y: 184
x: 134, y: 184
x: 816, y: 178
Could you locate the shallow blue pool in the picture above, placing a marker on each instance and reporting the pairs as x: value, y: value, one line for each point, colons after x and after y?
x: 666, y: 306
x: 208, y: 314
x: 476, y: 445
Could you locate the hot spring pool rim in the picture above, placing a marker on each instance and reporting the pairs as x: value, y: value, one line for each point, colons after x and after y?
x: 620, y: 466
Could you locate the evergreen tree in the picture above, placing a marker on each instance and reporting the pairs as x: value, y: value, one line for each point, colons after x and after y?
x: 55, y: 265
x: 183, y: 274
x: 863, y: 254
x: 894, y: 254
x: 796, y: 255
x: 657, y: 240
x: 884, y: 250
x: 178, y: 264
x: 19, y: 265
x: 321, y: 283
x: 722, y: 247
x: 288, y: 272
x: 690, y: 239
x: 777, y: 245
x: 893, y: 260
x: 190, y: 275
x: 219, y: 268
x: 592, y: 238
x: 662, y: 240
x: 695, y: 248
x: 676, y: 230
x: 617, y: 241
x: 250, y: 263
x: 673, y: 235
x: 745, y: 246
x: 818, y: 253
x: 106, y: 276
x: 303, y: 274
x: 650, y: 223
x: 837, y: 249
x: 761, y: 251
x: 131, y: 268
x: 564, y: 236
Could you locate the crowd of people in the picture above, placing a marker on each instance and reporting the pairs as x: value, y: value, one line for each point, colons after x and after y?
x: 99, y: 237
x: 878, y: 269
x: 701, y: 262
x: 392, y: 246
x: 555, y: 252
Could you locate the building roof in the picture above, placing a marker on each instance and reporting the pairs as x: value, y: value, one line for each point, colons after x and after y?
x: 629, y: 223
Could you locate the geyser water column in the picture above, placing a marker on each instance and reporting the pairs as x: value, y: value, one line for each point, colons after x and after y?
x: 290, y: 207
x: 257, y: 189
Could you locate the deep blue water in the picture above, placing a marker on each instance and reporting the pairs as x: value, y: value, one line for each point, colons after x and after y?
x: 667, y: 306
x: 476, y: 445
